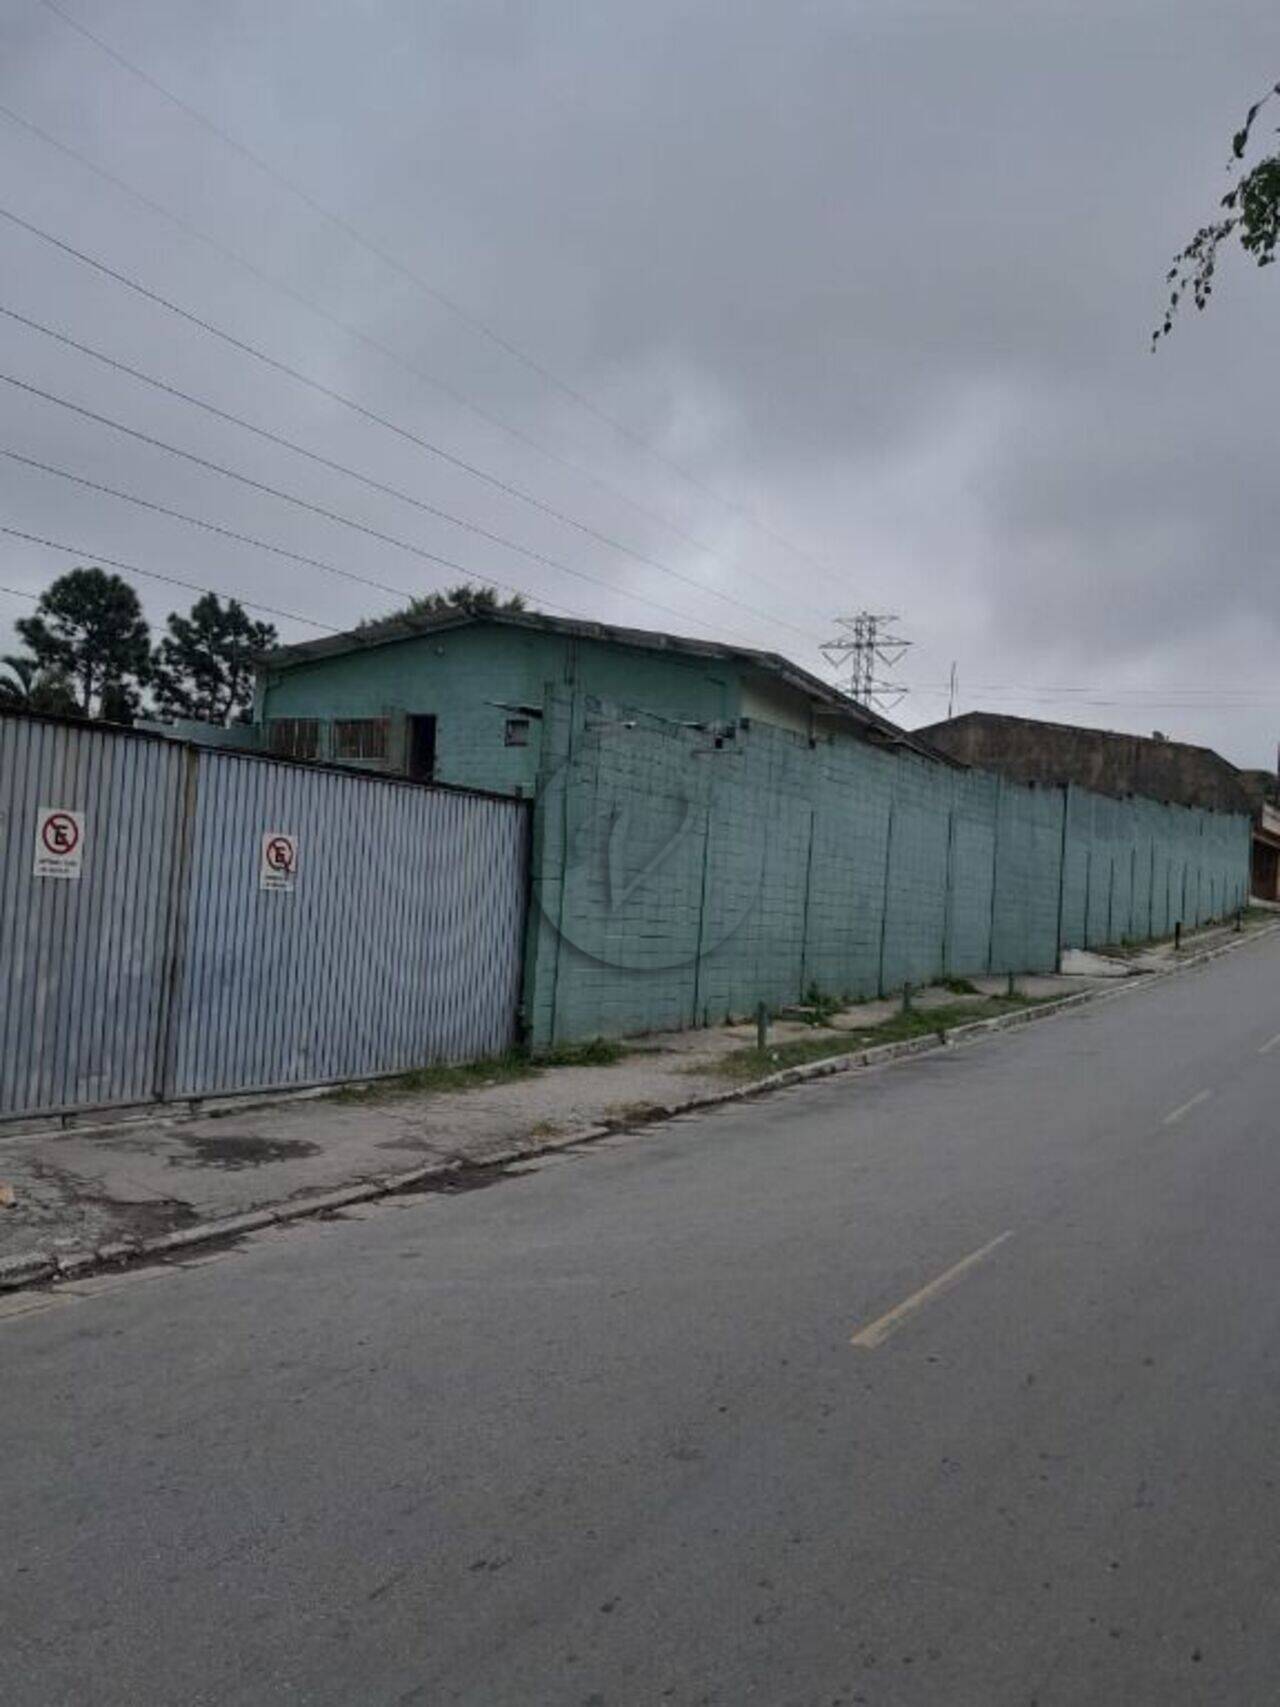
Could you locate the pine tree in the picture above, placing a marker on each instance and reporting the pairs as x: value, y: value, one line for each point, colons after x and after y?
x: 203, y: 667
x: 89, y: 629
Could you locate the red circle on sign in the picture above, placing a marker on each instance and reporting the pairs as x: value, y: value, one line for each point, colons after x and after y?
x: 60, y: 834
x: 280, y: 854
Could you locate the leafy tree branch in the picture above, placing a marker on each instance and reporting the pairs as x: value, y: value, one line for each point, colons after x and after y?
x: 1250, y: 216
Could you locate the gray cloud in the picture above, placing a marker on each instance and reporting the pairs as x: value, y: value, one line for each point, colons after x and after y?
x: 882, y: 274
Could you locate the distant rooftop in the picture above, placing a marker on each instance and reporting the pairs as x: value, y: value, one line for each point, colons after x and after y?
x: 1109, y: 761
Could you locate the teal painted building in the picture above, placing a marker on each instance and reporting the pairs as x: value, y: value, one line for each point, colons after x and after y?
x: 712, y: 827
x: 460, y: 698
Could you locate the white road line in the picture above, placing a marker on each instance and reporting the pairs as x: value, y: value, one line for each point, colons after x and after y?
x: 877, y: 1332
x: 1268, y: 1047
x: 1176, y: 1114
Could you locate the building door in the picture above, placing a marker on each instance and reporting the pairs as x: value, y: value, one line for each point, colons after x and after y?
x: 422, y: 748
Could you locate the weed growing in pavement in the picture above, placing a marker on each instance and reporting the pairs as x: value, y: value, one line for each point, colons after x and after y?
x: 505, y: 1069
x: 467, y: 1076
x: 599, y: 1052
x: 820, y: 1008
x: 752, y: 1063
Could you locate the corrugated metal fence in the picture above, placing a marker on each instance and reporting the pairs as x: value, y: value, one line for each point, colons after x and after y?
x: 382, y: 929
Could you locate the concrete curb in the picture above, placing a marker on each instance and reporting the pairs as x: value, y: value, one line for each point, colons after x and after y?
x: 38, y: 1267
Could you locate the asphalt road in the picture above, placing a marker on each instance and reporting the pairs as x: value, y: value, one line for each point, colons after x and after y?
x: 684, y: 1418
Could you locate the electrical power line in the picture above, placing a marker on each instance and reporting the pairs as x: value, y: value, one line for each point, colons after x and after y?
x: 1136, y: 696
x: 371, y: 415
x: 472, y: 321
x: 151, y: 575
x: 331, y: 463
x: 395, y: 357
x: 306, y: 504
x: 248, y: 538
x: 211, y: 527
x: 1120, y: 700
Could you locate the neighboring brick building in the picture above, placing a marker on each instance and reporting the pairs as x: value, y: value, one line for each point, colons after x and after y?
x: 1112, y: 763
x: 1101, y: 759
x: 1263, y: 788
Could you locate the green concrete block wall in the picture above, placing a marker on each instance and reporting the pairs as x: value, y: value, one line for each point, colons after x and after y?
x: 1135, y: 867
x: 915, y: 887
x: 677, y: 879
x: 1027, y: 859
x: 971, y: 890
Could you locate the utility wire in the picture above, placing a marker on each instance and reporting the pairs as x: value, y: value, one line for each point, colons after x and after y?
x: 395, y: 357
x: 244, y: 538
x: 152, y: 575
x: 472, y: 321
x: 197, y: 521
x: 119, y: 366
x: 1137, y: 697
x: 372, y: 415
x: 305, y: 503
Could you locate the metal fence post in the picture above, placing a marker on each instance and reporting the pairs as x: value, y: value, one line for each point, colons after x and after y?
x: 702, y: 912
x: 1183, y: 914
x: 948, y: 898
x: 1062, y: 870
x: 804, y: 917
x: 884, y: 897
x: 1088, y: 890
x: 178, y: 909
x: 1111, y: 901
x: 995, y: 879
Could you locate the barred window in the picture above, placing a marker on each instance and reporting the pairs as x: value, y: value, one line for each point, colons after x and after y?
x: 517, y: 732
x: 294, y: 737
x: 360, y: 738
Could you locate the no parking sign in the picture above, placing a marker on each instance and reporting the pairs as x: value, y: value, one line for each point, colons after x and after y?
x: 279, y: 864
x: 59, y: 842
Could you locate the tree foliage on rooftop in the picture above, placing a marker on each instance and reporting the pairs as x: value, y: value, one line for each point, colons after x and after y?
x: 1250, y: 216
x: 466, y: 596
x: 89, y: 631
x: 203, y: 667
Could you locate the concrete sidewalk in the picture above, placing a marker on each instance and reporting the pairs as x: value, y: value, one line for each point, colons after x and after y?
x: 104, y: 1192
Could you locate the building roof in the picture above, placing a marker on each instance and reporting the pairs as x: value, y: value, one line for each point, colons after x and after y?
x: 1105, y: 760
x: 1262, y: 787
x: 400, y: 628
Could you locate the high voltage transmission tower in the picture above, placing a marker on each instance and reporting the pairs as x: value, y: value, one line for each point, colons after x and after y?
x: 865, y: 647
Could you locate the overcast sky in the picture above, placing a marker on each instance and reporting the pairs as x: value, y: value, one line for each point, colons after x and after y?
x: 867, y: 286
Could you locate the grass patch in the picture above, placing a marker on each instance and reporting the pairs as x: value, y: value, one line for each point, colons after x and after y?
x: 599, y: 1052
x: 467, y: 1076
x: 505, y: 1069
x: 960, y: 987
x: 753, y: 1063
x: 1251, y: 918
